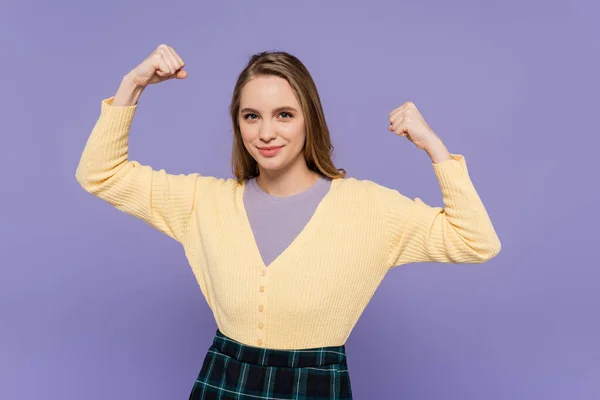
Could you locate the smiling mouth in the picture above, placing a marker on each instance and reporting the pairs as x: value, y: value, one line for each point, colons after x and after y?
x: 269, y: 151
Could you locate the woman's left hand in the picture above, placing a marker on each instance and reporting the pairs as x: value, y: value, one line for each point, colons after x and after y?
x: 407, y: 121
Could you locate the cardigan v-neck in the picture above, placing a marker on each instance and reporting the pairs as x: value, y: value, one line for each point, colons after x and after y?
x: 275, y: 222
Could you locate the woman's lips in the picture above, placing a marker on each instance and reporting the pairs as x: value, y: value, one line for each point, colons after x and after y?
x: 269, y: 151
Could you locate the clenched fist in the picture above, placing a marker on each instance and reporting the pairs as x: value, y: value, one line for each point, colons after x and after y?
x: 163, y: 64
x: 407, y: 121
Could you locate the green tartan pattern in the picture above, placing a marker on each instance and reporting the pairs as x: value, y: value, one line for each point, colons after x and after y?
x: 234, y: 371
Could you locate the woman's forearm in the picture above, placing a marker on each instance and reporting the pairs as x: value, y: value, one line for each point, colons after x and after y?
x: 127, y: 94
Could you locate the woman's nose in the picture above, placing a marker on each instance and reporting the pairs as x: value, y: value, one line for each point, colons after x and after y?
x: 266, y: 131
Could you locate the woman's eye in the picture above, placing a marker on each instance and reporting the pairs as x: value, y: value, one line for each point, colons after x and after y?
x: 254, y: 116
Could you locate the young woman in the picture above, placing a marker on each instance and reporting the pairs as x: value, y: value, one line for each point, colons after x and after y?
x: 289, y: 252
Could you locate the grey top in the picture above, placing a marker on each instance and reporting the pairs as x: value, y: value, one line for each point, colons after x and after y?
x: 276, y: 221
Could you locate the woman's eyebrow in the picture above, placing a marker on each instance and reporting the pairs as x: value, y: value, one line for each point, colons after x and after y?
x: 275, y: 111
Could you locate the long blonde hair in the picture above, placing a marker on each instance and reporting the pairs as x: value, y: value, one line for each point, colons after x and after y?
x: 318, y: 149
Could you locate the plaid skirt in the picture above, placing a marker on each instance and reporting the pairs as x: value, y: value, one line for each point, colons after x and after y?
x: 232, y: 370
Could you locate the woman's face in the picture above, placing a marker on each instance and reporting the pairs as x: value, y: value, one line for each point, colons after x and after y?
x: 272, y: 123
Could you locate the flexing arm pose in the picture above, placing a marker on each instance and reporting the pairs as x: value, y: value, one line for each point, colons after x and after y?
x: 162, y: 200
x: 461, y: 231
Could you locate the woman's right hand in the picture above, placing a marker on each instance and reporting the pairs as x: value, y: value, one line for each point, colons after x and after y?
x: 161, y: 65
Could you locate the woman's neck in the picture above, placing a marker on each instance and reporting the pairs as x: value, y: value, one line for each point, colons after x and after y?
x: 287, y: 183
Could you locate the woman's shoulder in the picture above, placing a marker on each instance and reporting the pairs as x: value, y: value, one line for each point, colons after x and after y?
x: 361, y: 186
x: 364, y: 191
x: 375, y: 199
x: 214, y: 186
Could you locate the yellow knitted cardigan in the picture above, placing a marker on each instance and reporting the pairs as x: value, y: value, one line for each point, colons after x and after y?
x: 314, y: 292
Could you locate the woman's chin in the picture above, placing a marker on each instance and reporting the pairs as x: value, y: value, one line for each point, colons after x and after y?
x: 271, y: 164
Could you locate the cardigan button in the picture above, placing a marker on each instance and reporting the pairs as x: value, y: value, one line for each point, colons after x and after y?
x: 261, y: 308
x: 259, y: 342
x: 261, y: 289
x: 260, y: 325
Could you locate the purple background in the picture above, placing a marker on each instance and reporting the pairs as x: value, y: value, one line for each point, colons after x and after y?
x: 94, y: 304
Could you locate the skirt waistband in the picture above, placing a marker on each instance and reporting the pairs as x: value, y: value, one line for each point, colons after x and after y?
x: 323, y: 357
